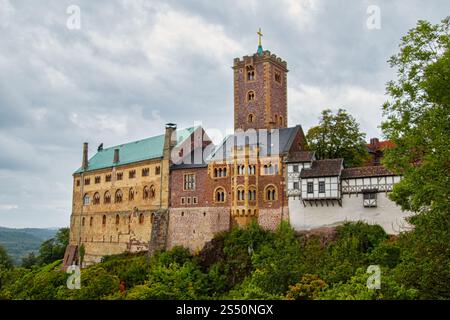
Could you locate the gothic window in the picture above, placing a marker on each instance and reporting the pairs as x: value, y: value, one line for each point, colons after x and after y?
x: 108, y: 178
x: 118, y: 197
x: 119, y: 176
x: 107, y: 197
x: 97, y: 179
x: 131, y: 174
x: 117, y: 219
x: 131, y: 194
x: 87, y: 181
x: 269, y: 169
x: 252, y: 195
x: 250, y: 118
x: 219, y: 195
x: 250, y: 96
x: 189, y: 181
x: 152, y: 192
x: 310, y: 187
x: 104, y: 220
x: 145, y: 193
x: 270, y: 193
x: 220, y: 172
x: 86, y: 199
x: 240, y: 194
x: 321, y: 186
x: 251, y: 169
x: 250, y: 73
x: 96, y: 198
x: 157, y: 170
x: 145, y: 172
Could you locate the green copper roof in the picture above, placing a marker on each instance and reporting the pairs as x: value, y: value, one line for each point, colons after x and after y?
x: 136, y: 151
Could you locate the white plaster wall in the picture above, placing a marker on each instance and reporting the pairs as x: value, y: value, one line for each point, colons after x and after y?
x: 387, y: 214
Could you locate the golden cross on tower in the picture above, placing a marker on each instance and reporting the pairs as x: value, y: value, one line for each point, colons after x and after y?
x: 259, y: 33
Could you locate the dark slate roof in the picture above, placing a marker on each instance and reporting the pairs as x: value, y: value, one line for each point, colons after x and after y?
x: 301, y: 156
x: 365, y: 172
x: 323, y: 168
x: 146, y: 149
x: 195, y: 159
x: 277, y: 142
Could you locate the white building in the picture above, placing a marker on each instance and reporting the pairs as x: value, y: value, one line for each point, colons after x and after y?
x: 322, y: 194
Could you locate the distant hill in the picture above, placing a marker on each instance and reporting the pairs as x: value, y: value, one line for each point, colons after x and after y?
x: 19, y: 242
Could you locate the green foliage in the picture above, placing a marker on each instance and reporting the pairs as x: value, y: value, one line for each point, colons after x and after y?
x: 30, y: 260
x: 5, y: 260
x: 308, y: 288
x: 338, y: 136
x: 52, y: 249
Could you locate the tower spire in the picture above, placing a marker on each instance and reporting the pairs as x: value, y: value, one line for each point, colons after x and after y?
x: 260, y: 49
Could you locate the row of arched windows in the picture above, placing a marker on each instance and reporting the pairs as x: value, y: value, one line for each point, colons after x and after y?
x: 251, y: 169
x: 147, y: 193
x: 220, y: 172
x: 270, y: 194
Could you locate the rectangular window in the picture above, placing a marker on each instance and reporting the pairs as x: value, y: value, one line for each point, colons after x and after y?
x: 108, y: 178
x: 183, y: 200
x: 78, y: 182
x: 295, y: 168
x: 310, y: 187
x: 321, y: 186
x: 370, y: 199
x: 189, y: 181
x: 132, y: 174
x: 188, y: 200
x: 295, y: 185
x: 145, y: 172
x: 87, y: 181
x: 119, y: 176
x: 97, y: 179
x: 194, y: 200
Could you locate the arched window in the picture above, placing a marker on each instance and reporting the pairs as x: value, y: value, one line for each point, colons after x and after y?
x: 215, y: 172
x: 107, y: 197
x: 91, y: 221
x: 270, y: 193
x: 119, y: 196
x: 82, y: 221
x: 250, y: 96
x: 219, y: 195
x: 224, y: 172
x: 152, y: 192
x: 96, y: 198
x: 280, y: 120
x: 141, y: 218
x: 250, y: 73
x: 131, y: 194
x: 86, y: 199
x: 276, y: 118
x: 250, y: 118
x: 145, y: 193
x: 104, y: 220
x: 240, y: 194
x: 117, y: 219
x: 252, y: 194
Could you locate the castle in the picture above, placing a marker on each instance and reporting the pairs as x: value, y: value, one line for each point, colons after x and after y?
x: 179, y: 189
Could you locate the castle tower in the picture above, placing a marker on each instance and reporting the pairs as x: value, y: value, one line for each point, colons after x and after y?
x: 260, y: 91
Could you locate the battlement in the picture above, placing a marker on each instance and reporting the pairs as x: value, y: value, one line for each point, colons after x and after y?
x: 255, y: 58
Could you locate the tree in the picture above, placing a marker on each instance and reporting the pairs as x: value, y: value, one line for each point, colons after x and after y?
x: 29, y: 260
x: 417, y: 118
x: 417, y: 121
x: 54, y: 248
x: 5, y: 260
x: 338, y: 136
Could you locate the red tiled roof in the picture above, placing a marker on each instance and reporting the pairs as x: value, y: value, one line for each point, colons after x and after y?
x: 301, y: 156
x: 364, y: 172
x: 323, y: 168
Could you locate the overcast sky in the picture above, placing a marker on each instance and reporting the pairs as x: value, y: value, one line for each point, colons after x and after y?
x: 135, y: 65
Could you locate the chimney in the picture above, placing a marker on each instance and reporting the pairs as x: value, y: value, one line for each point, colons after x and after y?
x: 84, y: 164
x: 374, y: 142
x: 170, y: 139
x: 116, y: 155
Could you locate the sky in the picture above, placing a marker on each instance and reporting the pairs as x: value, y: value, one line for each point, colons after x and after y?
x: 116, y: 71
